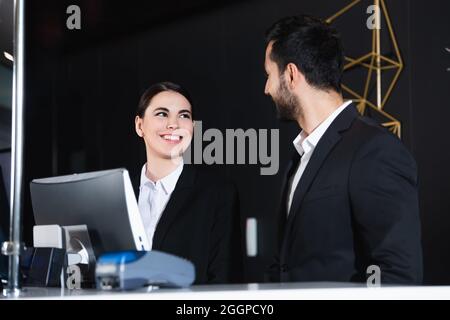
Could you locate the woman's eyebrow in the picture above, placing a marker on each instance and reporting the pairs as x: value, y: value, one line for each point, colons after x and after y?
x: 161, y: 109
x: 184, y: 110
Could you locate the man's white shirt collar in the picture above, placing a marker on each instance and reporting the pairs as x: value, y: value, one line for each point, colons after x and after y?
x: 304, y: 144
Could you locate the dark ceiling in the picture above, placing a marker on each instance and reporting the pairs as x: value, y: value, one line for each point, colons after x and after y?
x: 104, y: 20
x: 101, y: 20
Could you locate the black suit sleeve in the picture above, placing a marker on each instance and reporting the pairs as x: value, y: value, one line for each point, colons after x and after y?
x: 225, y: 255
x: 384, y: 199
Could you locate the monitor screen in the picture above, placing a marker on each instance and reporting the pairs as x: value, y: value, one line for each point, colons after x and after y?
x: 102, y: 200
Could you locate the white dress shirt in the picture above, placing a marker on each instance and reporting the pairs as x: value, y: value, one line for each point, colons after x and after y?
x: 153, y: 198
x: 305, y: 145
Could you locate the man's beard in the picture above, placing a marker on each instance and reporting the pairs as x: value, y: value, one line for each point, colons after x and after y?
x: 287, y: 104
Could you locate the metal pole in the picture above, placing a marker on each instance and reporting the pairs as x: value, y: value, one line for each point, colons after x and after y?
x: 13, y: 247
x: 378, y: 51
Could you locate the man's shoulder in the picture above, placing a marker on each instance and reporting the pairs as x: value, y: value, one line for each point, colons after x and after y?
x: 367, y: 128
x: 367, y: 132
x: 371, y: 138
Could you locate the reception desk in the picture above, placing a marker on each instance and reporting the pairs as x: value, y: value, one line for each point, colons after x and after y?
x: 266, y: 291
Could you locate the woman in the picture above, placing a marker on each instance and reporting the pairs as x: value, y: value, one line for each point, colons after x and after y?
x: 185, y: 210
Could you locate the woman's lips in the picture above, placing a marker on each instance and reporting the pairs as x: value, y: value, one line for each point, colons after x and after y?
x: 171, y: 138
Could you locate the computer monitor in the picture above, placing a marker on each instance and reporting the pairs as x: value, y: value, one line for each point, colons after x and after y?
x: 102, y: 200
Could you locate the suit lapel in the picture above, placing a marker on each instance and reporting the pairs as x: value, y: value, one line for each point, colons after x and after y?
x: 136, y: 182
x: 320, y: 153
x: 290, y: 170
x: 330, y: 138
x: 178, y: 199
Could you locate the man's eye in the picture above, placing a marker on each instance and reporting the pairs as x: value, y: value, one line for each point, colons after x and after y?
x: 161, y: 114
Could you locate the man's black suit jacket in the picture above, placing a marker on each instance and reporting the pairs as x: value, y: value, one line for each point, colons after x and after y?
x: 356, y: 205
x: 201, y: 223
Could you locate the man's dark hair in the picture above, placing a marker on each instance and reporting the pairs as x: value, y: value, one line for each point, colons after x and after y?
x: 153, y: 90
x: 312, y: 45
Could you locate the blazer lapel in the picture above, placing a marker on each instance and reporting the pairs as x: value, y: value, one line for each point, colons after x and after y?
x: 323, y: 148
x: 136, y: 182
x: 177, y: 200
x: 289, y: 171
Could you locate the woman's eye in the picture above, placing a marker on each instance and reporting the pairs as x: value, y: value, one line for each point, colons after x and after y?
x: 185, y: 115
x: 161, y: 114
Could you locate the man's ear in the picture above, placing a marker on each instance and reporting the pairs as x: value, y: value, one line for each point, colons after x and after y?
x: 138, y: 126
x: 293, y: 75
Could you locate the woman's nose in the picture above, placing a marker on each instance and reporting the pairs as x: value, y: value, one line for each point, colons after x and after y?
x: 172, y: 125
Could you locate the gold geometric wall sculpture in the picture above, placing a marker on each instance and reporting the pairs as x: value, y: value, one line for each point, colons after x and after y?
x: 375, y: 63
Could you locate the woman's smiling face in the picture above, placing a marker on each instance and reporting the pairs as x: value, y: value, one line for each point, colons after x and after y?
x: 167, y: 125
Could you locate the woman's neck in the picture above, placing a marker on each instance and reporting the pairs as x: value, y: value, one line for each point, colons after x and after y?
x: 158, y: 168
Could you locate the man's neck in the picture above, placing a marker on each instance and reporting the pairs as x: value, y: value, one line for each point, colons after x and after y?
x: 158, y: 168
x: 317, y: 107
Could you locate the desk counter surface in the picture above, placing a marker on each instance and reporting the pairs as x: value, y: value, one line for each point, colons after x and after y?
x: 266, y: 291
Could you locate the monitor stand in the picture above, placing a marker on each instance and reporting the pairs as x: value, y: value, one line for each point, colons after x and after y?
x: 78, y: 270
x: 79, y: 253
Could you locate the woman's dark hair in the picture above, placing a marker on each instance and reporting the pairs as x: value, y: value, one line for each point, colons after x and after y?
x: 159, y: 87
x: 312, y: 45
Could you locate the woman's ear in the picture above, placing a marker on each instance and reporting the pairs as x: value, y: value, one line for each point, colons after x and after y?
x: 138, y: 126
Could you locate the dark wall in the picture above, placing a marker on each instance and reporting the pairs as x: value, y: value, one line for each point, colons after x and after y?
x: 83, y: 87
x: 5, y: 169
x: 429, y: 84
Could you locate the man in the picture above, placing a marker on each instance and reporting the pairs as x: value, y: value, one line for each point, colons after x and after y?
x: 350, y: 193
